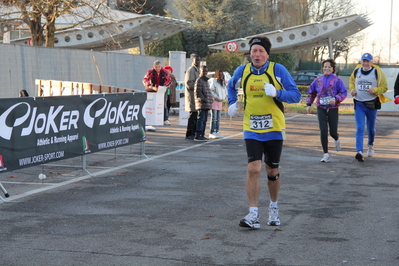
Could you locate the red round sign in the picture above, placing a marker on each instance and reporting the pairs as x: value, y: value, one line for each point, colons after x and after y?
x: 30, y: 42
x: 232, y: 46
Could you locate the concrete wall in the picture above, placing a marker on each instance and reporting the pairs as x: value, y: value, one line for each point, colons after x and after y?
x: 22, y: 65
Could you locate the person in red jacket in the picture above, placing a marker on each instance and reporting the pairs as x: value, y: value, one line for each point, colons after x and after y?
x: 156, y: 77
x: 170, y: 94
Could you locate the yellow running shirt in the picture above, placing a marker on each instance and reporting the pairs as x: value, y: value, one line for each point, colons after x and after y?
x: 262, y: 113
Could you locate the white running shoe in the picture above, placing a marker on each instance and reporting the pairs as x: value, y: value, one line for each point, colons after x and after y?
x: 274, y: 219
x: 213, y: 136
x: 167, y: 123
x: 251, y: 221
x: 325, y: 158
x: 337, y: 145
x: 370, y: 151
x: 219, y: 135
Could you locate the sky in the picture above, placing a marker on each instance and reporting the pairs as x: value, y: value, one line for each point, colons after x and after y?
x: 377, y: 35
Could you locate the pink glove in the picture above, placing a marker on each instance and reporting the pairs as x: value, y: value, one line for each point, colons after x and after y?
x: 396, y: 101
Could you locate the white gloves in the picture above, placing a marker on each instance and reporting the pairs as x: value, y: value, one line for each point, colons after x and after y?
x: 232, y: 109
x: 270, y: 90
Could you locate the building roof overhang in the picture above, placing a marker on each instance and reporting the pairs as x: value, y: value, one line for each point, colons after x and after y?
x: 117, y: 30
x: 303, y: 36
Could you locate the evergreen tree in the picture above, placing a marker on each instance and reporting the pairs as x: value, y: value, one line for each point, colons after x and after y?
x: 216, y: 21
x: 223, y: 60
x: 286, y: 59
x: 162, y: 48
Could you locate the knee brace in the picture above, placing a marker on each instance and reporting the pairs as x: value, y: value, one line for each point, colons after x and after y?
x: 273, y: 178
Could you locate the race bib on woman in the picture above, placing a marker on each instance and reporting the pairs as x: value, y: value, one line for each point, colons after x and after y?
x: 325, y: 100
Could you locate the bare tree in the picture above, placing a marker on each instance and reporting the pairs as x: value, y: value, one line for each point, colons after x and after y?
x: 321, y: 10
x: 280, y: 14
x: 40, y: 16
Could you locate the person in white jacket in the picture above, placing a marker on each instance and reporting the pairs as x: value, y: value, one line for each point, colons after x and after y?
x: 218, y: 88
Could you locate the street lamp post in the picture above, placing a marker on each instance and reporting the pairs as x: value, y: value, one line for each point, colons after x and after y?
x: 390, y: 35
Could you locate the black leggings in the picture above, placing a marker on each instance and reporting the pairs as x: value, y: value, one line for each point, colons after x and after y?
x: 328, y: 118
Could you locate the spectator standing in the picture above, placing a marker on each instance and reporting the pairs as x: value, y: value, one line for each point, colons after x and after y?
x: 329, y: 91
x: 192, y: 74
x: 366, y: 83
x: 218, y: 88
x: 23, y: 93
x: 396, y: 90
x: 170, y: 94
x: 203, y: 103
x: 266, y: 85
x: 156, y: 77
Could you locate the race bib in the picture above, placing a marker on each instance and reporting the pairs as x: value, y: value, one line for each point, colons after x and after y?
x: 261, y: 122
x: 364, y: 85
x: 325, y: 100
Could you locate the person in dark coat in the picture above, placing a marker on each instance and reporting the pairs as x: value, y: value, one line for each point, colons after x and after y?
x: 203, y: 103
x: 192, y: 75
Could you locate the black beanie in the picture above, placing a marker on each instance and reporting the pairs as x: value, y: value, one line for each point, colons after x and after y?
x: 262, y: 41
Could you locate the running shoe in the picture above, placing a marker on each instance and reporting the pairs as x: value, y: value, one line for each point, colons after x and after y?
x: 219, y: 135
x: 337, y: 145
x: 359, y: 157
x: 167, y: 123
x: 213, y: 136
x: 274, y: 219
x: 250, y: 221
x: 370, y: 151
x: 325, y: 158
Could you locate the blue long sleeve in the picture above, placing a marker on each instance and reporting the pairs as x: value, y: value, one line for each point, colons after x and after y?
x: 289, y: 94
x: 232, y: 85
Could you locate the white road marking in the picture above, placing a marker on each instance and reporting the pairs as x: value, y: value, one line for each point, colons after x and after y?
x: 106, y: 171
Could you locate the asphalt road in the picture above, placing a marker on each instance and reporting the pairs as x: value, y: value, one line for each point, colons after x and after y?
x: 178, y: 202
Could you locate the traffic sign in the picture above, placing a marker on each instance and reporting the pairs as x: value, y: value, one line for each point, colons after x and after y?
x: 30, y: 42
x: 232, y: 46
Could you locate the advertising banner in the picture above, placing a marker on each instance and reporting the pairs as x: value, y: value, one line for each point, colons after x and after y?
x: 37, y: 130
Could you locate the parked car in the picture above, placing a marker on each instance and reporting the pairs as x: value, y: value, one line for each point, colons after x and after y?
x: 309, y: 72
x: 302, y: 79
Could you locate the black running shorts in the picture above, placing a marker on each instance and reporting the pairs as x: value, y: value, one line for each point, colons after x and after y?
x: 271, y: 149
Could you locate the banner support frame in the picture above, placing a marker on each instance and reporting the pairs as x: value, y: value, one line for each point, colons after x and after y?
x: 84, y: 164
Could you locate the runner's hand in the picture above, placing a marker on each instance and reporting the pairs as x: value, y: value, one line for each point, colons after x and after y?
x: 270, y: 90
x: 232, y: 109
